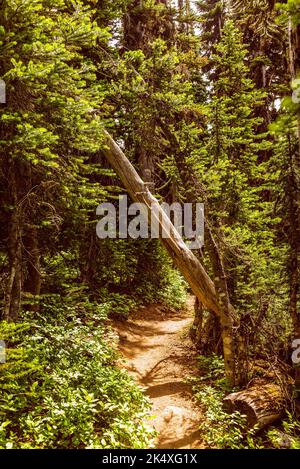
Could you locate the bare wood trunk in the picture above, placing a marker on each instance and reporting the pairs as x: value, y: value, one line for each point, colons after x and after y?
x: 210, y: 336
x: 227, y: 321
x: 292, y: 58
x: 262, y: 405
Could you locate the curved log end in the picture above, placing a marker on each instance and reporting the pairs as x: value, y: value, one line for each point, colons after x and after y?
x: 261, y: 405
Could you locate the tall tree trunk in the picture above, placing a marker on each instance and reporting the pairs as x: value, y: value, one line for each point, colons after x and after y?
x: 195, y: 193
x: 196, y: 332
x: 88, y: 258
x: 293, y: 195
x: 12, y: 297
x: 227, y: 321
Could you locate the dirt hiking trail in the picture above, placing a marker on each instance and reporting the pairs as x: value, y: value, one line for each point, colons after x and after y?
x: 160, y: 355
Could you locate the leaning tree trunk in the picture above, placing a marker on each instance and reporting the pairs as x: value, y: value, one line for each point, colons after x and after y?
x: 188, y: 264
x: 261, y: 405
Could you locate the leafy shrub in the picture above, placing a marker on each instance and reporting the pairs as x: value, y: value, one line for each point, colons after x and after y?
x: 220, y: 429
x: 289, y: 437
x: 64, y: 388
x: 120, y: 306
x: 156, y: 280
x: 174, y: 293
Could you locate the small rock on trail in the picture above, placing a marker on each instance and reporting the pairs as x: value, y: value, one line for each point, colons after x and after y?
x: 160, y: 355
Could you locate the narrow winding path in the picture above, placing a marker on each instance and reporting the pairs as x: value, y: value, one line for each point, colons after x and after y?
x: 160, y: 355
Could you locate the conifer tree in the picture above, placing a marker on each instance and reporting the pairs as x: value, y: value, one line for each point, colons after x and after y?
x: 212, y: 17
x: 48, y: 126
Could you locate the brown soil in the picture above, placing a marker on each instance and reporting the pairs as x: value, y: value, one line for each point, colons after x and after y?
x: 160, y: 355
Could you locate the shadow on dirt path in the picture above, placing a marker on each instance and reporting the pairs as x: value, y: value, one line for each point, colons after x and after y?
x: 160, y: 355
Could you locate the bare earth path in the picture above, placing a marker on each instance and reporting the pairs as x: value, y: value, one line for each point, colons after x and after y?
x: 160, y: 355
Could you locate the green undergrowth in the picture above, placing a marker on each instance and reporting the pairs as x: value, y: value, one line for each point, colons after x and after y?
x: 61, y: 387
x: 221, y: 430
x: 171, y: 294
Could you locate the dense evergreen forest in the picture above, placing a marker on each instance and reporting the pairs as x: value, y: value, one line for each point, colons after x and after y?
x: 181, y: 102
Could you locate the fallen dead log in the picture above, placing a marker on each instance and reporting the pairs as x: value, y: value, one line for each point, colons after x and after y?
x: 262, y: 405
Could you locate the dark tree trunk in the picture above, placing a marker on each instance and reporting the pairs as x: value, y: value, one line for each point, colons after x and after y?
x: 33, y: 280
x: 293, y: 235
x: 12, y: 299
x: 142, y: 26
x: 196, y: 331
